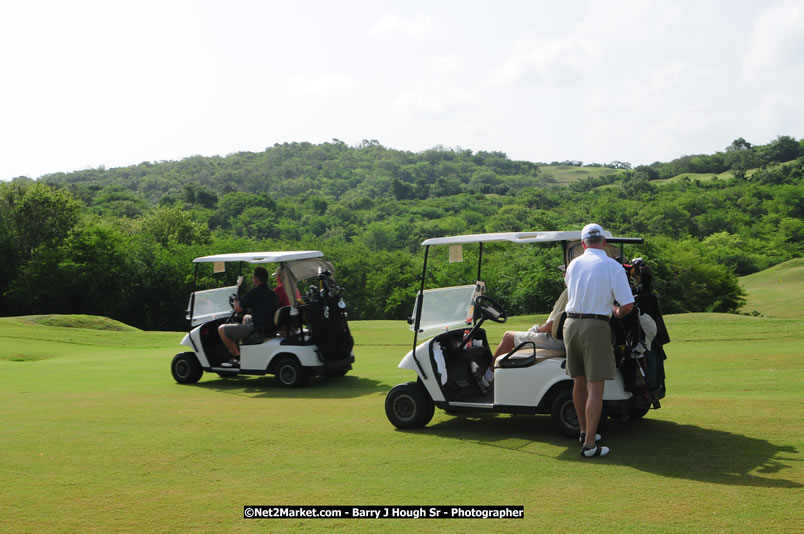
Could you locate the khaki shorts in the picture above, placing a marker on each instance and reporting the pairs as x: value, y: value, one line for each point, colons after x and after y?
x: 589, y: 352
x: 238, y: 332
x: 543, y: 340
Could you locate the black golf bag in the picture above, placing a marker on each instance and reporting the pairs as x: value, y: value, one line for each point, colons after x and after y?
x: 325, y: 312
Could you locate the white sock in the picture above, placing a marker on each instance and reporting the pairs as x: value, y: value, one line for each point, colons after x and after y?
x: 489, y: 376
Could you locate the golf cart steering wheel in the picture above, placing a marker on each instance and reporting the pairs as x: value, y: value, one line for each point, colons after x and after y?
x: 490, y: 309
x: 234, y: 312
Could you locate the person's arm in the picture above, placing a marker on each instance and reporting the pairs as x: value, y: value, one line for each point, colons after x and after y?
x: 545, y: 327
x: 241, y: 305
x: 621, y: 311
x: 558, y: 309
x: 622, y: 293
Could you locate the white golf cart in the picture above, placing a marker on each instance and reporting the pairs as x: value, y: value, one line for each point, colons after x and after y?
x: 527, y: 380
x: 314, y: 335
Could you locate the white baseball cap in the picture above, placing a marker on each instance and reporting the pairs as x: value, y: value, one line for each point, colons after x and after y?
x: 592, y: 230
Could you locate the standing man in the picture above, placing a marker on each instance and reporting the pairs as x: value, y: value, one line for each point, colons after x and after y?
x: 594, y: 283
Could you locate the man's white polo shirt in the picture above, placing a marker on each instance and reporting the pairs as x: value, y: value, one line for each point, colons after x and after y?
x: 594, y: 282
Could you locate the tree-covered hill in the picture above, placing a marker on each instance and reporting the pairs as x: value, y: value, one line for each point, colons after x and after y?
x: 119, y: 242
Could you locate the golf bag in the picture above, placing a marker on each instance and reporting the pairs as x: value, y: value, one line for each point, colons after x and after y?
x: 642, y: 367
x: 325, y: 312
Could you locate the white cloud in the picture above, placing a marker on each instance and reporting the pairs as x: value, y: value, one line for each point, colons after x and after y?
x: 602, y: 42
x: 777, y: 42
x: 777, y: 112
x: 446, y: 64
x: 320, y: 84
x: 392, y: 23
x: 564, y: 61
x: 434, y: 99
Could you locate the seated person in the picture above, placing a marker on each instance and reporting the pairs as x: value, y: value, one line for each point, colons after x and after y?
x: 263, y: 303
x: 541, y: 335
x: 280, y: 289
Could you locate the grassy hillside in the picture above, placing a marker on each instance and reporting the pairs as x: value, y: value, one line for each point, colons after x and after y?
x: 725, y: 175
x: 567, y: 174
x: 701, y: 176
x: 777, y: 291
x: 97, y: 437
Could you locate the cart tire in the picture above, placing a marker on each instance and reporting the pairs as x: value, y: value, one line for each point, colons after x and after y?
x: 289, y: 373
x: 185, y: 368
x: 563, y: 413
x: 637, y: 412
x: 409, y: 406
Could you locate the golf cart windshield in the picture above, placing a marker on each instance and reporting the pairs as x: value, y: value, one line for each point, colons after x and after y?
x: 210, y: 304
x: 444, y: 308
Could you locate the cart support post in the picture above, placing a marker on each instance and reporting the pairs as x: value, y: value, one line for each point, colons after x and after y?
x: 192, y: 295
x: 418, y: 318
x: 479, y: 261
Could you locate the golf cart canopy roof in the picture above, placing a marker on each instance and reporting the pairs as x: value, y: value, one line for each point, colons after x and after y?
x: 523, y: 237
x: 262, y: 257
x: 513, y: 237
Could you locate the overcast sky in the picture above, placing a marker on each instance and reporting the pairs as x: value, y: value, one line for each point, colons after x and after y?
x: 115, y: 83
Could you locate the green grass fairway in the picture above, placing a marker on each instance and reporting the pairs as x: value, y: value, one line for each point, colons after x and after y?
x: 777, y: 291
x: 97, y: 437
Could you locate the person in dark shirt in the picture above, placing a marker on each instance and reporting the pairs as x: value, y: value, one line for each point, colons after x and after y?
x: 262, y: 302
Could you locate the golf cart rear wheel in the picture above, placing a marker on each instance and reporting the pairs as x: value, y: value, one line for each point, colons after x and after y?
x: 564, y: 416
x: 409, y: 406
x: 289, y: 373
x: 185, y: 368
x: 635, y: 411
x: 335, y: 373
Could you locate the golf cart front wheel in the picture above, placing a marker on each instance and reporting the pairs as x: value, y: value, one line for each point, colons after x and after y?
x: 185, y: 368
x: 409, y: 406
x: 289, y: 373
x: 564, y: 416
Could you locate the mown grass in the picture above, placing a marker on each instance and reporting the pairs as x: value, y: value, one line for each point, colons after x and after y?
x: 566, y: 174
x: 700, y: 176
x: 97, y: 437
x: 777, y: 291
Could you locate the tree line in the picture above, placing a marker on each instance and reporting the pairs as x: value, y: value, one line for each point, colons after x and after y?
x: 120, y: 242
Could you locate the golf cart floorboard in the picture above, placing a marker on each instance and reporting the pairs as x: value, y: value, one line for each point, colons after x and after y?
x: 486, y: 398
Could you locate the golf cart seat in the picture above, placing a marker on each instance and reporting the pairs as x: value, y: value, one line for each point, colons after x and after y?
x: 516, y: 361
x: 254, y: 338
x: 544, y: 354
x: 526, y: 358
x: 282, y: 317
x: 285, y: 322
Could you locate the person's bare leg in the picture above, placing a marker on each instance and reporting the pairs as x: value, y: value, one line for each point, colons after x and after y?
x: 229, y: 343
x: 579, y: 399
x: 594, y: 406
x: 506, y: 345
